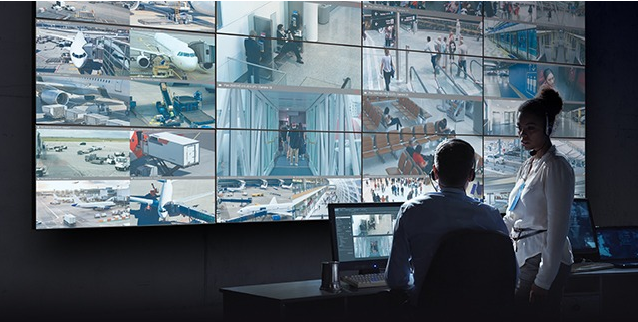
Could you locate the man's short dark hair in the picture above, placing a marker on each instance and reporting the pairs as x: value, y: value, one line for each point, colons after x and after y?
x: 454, y: 160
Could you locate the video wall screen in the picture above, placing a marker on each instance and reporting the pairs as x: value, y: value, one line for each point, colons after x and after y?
x: 202, y: 112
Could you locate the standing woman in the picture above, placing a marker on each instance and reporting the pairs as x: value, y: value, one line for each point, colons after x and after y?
x: 387, y: 68
x: 538, y: 212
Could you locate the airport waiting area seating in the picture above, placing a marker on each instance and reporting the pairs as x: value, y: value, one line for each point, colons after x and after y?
x: 408, y: 108
x: 372, y: 115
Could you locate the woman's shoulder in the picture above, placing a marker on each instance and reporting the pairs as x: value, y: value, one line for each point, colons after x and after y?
x: 558, y: 160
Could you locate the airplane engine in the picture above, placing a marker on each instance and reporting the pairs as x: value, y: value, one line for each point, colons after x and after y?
x: 54, y: 97
x: 143, y: 61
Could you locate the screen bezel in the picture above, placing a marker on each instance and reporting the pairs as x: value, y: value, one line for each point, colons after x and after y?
x: 586, y: 254
x: 362, y: 266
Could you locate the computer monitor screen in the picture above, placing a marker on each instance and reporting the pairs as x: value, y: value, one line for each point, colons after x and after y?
x: 618, y: 243
x: 362, y: 234
x: 581, y: 231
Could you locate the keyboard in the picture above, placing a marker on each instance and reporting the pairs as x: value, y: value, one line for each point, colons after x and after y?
x: 365, y: 280
x: 590, y: 266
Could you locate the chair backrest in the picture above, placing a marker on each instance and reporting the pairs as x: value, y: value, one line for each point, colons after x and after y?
x: 406, y: 134
x: 472, y: 277
x: 394, y: 138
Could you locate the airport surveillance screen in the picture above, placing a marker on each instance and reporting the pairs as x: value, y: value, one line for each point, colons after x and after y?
x: 362, y: 234
x: 202, y: 112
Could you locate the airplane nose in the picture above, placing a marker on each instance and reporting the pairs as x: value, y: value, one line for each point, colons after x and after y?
x: 190, y: 64
x: 76, y: 62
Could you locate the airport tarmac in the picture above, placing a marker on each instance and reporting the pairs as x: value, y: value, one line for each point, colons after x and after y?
x: 146, y: 94
x: 111, y: 12
x: 154, y: 16
x: 51, y: 215
x: 68, y: 164
x: 144, y: 40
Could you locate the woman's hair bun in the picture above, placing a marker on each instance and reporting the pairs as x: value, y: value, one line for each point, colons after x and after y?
x: 551, y: 100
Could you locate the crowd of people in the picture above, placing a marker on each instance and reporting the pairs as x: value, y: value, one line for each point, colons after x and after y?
x: 444, y: 50
x: 395, y: 189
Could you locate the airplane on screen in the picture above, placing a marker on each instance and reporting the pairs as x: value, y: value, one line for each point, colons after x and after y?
x: 273, y: 208
x: 58, y: 89
x: 80, y: 50
x: 282, y: 185
x: 96, y: 205
x: 171, y: 48
x: 203, y: 7
x: 166, y: 199
x: 264, y: 184
x: 242, y: 186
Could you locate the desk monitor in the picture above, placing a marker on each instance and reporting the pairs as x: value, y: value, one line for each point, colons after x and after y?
x: 581, y: 233
x: 362, y: 234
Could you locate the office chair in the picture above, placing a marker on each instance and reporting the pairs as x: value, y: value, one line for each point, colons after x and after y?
x: 472, y: 278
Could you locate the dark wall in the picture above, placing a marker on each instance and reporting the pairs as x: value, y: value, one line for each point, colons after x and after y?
x: 174, y: 273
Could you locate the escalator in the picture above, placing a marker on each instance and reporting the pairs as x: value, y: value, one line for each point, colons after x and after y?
x: 462, y: 86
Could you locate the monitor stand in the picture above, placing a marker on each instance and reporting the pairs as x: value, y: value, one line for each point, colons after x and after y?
x: 374, y: 270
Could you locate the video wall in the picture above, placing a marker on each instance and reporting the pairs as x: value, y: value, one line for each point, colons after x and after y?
x: 201, y: 112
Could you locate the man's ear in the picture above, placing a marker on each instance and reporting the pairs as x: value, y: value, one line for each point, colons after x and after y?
x: 434, y: 174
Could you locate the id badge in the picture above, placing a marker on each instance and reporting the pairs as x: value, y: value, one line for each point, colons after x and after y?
x: 517, y: 197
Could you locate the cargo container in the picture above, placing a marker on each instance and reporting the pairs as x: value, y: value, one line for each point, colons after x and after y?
x: 69, y: 219
x: 74, y: 115
x: 95, y: 119
x: 54, y: 111
x: 179, y: 150
x: 117, y: 122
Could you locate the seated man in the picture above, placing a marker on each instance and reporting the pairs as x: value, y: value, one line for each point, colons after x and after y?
x: 283, y: 41
x: 440, y: 128
x: 424, y: 220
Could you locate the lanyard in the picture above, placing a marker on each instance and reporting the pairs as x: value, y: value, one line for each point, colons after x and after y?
x: 517, y: 197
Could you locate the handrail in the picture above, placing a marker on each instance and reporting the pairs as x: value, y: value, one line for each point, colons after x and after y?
x: 418, y: 78
x: 471, y: 72
x: 439, y: 89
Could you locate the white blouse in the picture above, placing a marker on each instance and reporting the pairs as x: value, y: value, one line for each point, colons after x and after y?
x: 541, y: 200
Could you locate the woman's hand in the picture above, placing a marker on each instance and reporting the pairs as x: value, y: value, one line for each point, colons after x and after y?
x: 537, y: 294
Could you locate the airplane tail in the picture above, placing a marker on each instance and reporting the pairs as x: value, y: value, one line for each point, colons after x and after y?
x: 273, y: 201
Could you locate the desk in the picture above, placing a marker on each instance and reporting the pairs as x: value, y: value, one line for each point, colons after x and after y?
x: 604, y: 295
x: 303, y: 300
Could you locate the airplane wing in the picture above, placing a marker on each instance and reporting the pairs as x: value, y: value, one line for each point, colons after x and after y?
x: 280, y: 213
x: 145, y: 201
x: 66, y: 34
x: 77, y: 89
x: 148, y: 52
x: 69, y: 34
